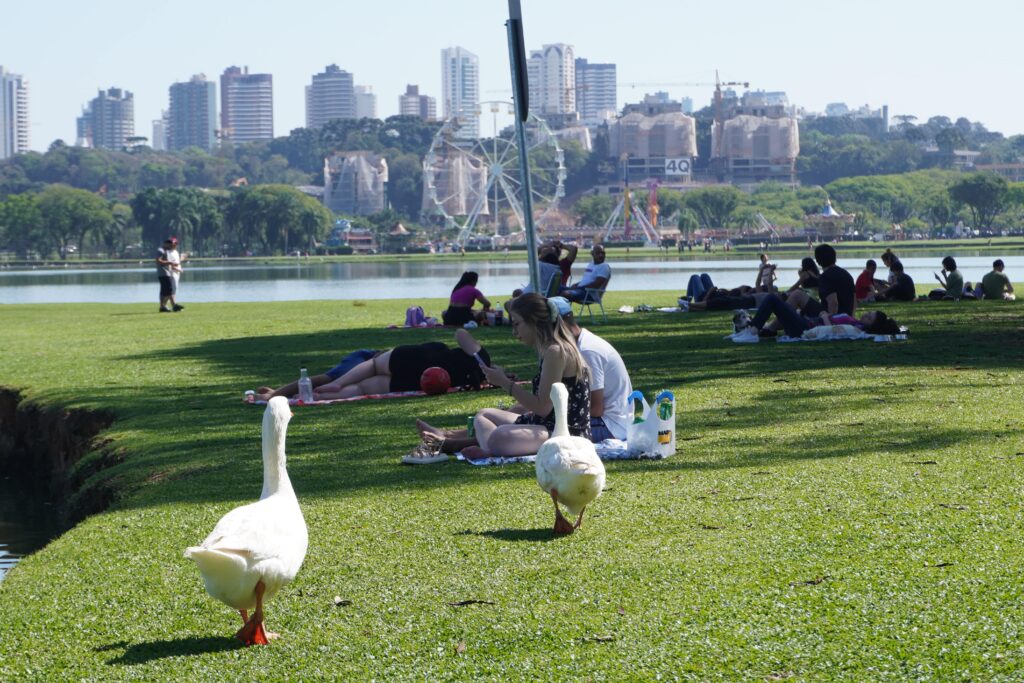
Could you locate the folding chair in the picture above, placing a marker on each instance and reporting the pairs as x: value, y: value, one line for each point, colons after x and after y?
x: 593, y: 297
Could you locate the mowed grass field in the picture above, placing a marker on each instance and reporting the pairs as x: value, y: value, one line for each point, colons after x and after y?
x: 835, y: 511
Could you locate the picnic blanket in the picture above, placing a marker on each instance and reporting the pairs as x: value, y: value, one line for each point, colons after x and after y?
x: 609, y: 449
x: 251, y: 399
x: 824, y: 333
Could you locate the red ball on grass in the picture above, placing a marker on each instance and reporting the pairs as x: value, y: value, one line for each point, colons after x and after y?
x: 435, y: 381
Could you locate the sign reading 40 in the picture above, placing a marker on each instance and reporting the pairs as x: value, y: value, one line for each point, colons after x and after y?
x: 677, y: 166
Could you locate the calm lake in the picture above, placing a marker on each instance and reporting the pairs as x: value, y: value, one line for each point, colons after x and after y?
x: 309, y: 279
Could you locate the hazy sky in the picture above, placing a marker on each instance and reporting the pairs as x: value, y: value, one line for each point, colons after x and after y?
x: 920, y: 58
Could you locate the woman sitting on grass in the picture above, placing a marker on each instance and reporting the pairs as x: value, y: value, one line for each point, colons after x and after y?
x: 807, y: 276
x: 794, y: 323
x: 460, y: 305
x: 505, y: 433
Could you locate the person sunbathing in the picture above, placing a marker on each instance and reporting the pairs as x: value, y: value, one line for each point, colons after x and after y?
x: 795, y: 323
x: 397, y: 369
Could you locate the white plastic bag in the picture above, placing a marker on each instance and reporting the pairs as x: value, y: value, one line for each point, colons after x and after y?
x: 642, y: 433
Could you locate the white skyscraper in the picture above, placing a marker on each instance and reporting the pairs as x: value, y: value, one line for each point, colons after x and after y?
x: 13, y: 114
x: 596, y: 96
x: 330, y: 96
x: 460, y: 89
x: 552, y: 74
x: 366, y: 102
x: 246, y: 105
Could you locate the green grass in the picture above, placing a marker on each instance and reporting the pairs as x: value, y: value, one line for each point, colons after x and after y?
x: 845, y: 511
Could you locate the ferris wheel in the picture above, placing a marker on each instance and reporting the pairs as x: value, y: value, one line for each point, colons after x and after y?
x: 474, y: 182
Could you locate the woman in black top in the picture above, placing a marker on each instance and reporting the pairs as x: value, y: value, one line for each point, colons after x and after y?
x: 807, y: 275
x: 400, y: 368
x: 537, y: 324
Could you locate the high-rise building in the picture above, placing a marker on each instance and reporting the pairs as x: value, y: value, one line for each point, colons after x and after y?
x: 412, y: 103
x: 552, y: 74
x: 192, y: 116
x: 330, y: 96
x: 13, y: 114
x: 596, y: 91
x: 460, y: 86
x: 108, y: 120
x: 160, y: 127
x: 366, y: 102
x: 246, y: 105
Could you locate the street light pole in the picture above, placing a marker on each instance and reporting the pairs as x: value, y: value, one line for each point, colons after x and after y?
x: 521, y: 99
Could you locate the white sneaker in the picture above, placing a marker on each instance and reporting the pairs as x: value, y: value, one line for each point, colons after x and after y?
x: 684, y: 305
x: 748, y: 335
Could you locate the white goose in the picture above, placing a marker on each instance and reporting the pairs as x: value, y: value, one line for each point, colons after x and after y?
x: 568, y: 467
x: 258, y: 548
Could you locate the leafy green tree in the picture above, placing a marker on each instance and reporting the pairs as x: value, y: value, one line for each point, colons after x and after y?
x: 985, y: 194
x: 938, y: 211
x: 687, y: 223
x: 21, y: 224
x: 714, y: 206
x: 593, y: 210
x: 70, y: 214
x: 405, y: 184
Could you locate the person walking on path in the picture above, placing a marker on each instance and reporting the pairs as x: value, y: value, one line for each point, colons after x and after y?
x: 168, y: 262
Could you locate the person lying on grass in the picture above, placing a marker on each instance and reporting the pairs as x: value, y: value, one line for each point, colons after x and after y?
x: 610, y: 412
x: 794, y: 323
x: 536, y: 323
x: 397, y: 369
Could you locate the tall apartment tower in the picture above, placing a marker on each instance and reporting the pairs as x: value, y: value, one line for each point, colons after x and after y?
x: 412, y: 103
x: 108, y: 120
x: 596, y: 93
x: 246, y: 105
x: 460, y: 86
x: 329, y: 96
x: 552, y: 74
x: 13, y: 114
x: 192, y: 116
x: 160, y: 126
x: 366, y: 102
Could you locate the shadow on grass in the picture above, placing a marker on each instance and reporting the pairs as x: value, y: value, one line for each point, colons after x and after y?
x: 209, y: 437
x: 514, y: 535
x: 141, y: 653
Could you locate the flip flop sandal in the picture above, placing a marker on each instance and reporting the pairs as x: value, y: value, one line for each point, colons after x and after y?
x: 425, y: 454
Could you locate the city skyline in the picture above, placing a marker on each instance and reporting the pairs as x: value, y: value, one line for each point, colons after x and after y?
x: 922, y: 63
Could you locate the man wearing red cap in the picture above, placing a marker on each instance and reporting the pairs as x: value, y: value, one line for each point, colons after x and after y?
x: 167, y: 262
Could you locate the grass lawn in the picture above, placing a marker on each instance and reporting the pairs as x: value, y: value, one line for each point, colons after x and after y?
x: 836, y: 511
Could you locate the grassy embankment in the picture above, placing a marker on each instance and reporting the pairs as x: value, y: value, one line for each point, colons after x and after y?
x: 846, y: 511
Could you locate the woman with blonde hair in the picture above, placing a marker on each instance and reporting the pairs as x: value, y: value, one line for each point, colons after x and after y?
x: 536, y: 323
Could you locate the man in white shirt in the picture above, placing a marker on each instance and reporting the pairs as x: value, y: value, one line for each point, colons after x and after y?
x: 609, y: 381
x: 596, y: 276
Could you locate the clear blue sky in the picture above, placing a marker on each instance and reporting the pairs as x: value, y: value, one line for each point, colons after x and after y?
x: 920, y: 58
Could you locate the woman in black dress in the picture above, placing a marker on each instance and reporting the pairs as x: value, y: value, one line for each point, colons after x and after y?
x: 536, y: 324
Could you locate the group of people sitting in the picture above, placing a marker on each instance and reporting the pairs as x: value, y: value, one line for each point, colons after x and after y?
x: 899, y: 286
x: 591, y: 369
x: 555, y: 261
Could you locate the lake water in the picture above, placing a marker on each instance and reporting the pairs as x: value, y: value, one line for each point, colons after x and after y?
x: 25, y: 525
x: 309, y: 279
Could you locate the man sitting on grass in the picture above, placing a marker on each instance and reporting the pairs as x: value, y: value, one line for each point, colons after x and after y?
x: 996, y: 284
x: 902, y: 289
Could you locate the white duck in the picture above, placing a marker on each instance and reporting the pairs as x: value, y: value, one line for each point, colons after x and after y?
x: 568, y: 467
x: 258, y: 548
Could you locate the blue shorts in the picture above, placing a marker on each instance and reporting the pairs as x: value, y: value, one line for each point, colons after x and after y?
x: 599, y: 431
x: 350, y: 361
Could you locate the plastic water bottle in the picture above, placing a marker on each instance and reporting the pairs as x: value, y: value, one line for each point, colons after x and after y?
x: 305, y: 387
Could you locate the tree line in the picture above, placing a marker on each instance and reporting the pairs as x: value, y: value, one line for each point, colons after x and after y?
x: 62, y: 220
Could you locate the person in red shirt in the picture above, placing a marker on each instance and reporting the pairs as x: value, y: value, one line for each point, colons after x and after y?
x: 864, y: 289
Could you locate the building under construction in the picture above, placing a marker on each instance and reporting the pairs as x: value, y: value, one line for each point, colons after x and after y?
x: 355, y: 183
x: 754, y: 138
x: 662, y: 146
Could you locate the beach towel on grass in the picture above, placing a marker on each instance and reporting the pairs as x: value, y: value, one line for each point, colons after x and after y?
x: 609, y: 449
x: 390, y: 394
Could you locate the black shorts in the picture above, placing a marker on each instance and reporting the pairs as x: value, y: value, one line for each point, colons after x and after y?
x: 812, y: 309
x: 168, y: 287
x: 457, y: 316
